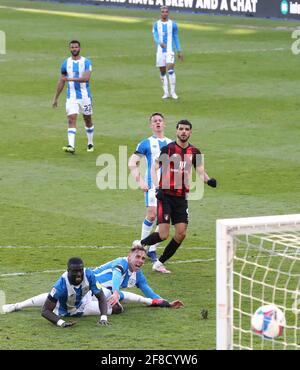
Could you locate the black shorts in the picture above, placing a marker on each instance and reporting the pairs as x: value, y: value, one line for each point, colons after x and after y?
x: 174, y: 209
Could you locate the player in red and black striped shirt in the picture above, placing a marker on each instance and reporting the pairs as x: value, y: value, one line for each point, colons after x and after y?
x: 176, y: 161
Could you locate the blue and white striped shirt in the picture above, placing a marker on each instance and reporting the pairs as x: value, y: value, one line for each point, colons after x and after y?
x: 105, y: 276
x: 74, y: 69
x: 167, y: 33
x: 72, y: 299
x: 150, y: 148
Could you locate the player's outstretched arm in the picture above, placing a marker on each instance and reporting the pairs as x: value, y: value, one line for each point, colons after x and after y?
x: 133, y: 165
x: 47, y: 313
x: 154, y: 168
x: 210, y: 181
x: 59, y: 88
x: 103, y: 308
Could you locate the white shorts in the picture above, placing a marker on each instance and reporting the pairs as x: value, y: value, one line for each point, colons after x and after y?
x: 150, y: 198
x: 162, y: 59
x: 76, y: 106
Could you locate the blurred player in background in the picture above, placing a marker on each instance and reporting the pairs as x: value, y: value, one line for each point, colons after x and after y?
x: 76, y: 71
x: 165, y: 34
x: 150, y: 149
x: 176, y: 161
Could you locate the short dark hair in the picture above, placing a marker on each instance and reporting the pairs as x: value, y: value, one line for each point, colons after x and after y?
x: 74, y: 42
x: 184, y: 122
x: 138, y: 248
x: 156, y: 114
x: 75, y: 261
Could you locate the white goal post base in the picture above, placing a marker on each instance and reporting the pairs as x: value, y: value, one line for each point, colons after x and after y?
x: 254, y: 269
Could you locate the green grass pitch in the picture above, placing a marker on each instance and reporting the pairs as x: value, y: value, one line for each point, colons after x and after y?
x: 239, y: 86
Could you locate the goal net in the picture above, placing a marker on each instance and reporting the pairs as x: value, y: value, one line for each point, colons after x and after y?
x: 258, y: 263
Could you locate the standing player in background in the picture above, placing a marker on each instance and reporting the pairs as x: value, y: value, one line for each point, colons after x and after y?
x: 150, y: 149
x: 165, y: 34
x: 176, y: 161
x: 76, y: 71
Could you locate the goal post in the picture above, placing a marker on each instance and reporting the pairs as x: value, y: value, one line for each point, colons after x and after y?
x: 257, y: 263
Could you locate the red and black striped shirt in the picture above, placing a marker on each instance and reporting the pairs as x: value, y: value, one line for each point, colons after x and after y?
x: 176, y: 165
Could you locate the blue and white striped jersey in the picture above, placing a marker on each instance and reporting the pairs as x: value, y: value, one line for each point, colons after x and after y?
x: 74, y: 69
x: 150, y: 148
x: 107, y: 276
x: 167, y: 33
x: 71, y: 298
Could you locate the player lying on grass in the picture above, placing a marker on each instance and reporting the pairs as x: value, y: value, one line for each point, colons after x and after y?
x: 78, y: 296
x: 71, y: 296
x: 125, y: 272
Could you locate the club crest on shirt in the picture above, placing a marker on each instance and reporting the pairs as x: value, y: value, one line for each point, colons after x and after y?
x: 132, y: 280
x: 166, y: 217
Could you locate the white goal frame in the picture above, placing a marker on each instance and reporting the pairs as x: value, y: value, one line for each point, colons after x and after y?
x: 226, y: 229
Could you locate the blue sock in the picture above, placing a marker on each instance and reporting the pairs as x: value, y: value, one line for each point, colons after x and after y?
x: 152, y: 255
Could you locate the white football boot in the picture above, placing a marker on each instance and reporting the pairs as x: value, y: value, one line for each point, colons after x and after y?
x: 159, y: 267
x: 8, y: 308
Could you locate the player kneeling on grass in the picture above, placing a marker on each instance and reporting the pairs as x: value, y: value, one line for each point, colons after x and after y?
x: 125, y: 272
x: 71, y: 296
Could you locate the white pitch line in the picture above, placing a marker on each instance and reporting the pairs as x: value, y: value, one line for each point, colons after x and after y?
x: 87, y: 247
x: 31, y: 273
x: 193, y: 261
x: 61, y: 246
x: 12, y: 274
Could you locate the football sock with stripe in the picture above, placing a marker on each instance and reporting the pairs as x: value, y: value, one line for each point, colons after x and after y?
x: 146, y: 228
x: 90, y: 134
x: 37, y: 301
x: 71, y: 136
x: 172, y: 80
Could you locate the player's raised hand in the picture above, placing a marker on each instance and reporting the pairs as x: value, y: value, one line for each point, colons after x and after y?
x: 114, y: 298
x: 176, y: 304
